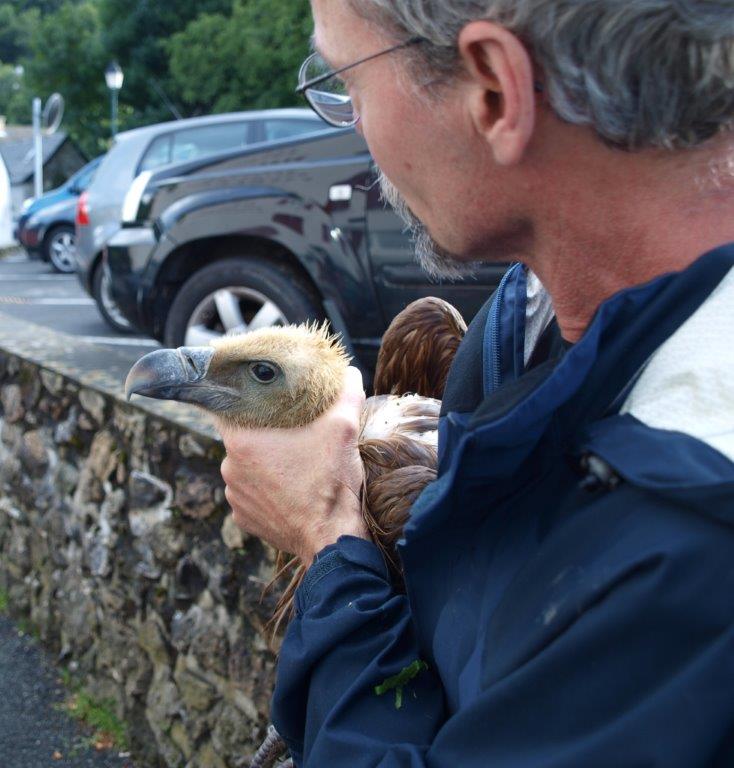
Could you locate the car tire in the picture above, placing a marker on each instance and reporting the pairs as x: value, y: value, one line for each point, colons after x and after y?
x: 251, y: 283
x: 105, y: 303
x: 59, y: 248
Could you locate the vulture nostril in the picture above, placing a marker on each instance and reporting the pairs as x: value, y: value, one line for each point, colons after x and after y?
x: 191, y: 364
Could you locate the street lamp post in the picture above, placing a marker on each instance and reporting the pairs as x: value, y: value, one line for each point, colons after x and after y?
x: 114, y: 77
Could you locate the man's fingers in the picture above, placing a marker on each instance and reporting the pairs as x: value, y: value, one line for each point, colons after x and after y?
x: 353, y: 383
x: 353, y: 393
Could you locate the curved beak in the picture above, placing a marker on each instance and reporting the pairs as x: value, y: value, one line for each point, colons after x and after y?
x: 172, y: 374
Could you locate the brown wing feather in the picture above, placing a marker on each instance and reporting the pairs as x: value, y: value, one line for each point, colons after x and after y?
x: 386, y: 505
x: 418, y: 348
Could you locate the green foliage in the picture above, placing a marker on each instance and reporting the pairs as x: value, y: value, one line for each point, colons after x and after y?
x: 135, y: 35
x: 97, y: 715
x: 15, y: 98
x: 100, y: 717
x: 66, y: 55
x: 15, y: 30
x: 4, y: 602
x: 248, y: 60
x: 200, y: 56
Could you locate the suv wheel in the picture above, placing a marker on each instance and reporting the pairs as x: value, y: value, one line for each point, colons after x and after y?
x: 106, y: 304
x: 60, y: 248
x: 237, y: 295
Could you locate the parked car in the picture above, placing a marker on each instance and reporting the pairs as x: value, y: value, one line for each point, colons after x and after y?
x: 272, y: 235
x: 45, y: 228
x: 145, y: 149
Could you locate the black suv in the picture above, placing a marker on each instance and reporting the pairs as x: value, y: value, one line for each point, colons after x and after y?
x: 275, y: 234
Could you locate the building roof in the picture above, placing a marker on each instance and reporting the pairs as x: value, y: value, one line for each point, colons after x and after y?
x: 16, y: 148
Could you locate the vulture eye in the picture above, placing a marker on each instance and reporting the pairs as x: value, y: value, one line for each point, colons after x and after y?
x: 263, y: 373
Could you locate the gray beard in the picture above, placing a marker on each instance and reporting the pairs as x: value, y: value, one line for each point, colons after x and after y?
x: 436, y: 261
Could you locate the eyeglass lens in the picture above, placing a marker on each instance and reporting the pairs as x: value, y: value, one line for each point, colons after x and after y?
x: 329, y: 98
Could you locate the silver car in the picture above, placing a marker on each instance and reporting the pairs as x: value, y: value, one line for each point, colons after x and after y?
x: 144, y: 149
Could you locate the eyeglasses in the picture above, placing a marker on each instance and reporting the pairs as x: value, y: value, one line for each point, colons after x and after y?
x: 326, y: 93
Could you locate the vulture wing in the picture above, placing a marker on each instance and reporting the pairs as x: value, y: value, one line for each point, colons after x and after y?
x: 399, y: 438
x: 418, y: 348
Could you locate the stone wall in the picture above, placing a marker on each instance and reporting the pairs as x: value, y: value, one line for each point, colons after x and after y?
x: 116, y: 544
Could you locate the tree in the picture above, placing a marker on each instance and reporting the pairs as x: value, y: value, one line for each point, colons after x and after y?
x: 15, y: 98
x: 135, y: 34
x: 205, y: 55
x: 247, y: 60
x: 66, y: 55
x: 15, y: 31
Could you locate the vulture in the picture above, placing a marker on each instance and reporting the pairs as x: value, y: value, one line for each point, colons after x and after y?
x: 287, y: 376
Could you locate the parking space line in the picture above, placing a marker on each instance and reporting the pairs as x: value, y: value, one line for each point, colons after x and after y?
x: 60, y: 302
x: 15, y: 278
x: 119, y: 341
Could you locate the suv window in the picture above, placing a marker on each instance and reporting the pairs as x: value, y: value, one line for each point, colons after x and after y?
x: 196, y: 142
x: 192, y: 143
x: 159, y: 153
x: 283, y: 129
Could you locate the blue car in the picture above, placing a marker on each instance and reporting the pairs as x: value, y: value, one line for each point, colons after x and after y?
x: 46, y: 227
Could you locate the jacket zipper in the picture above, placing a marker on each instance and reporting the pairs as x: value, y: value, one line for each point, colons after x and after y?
x: 496, y: 313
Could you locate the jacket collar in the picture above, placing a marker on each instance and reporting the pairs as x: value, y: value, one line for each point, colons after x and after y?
x: 488, y: 447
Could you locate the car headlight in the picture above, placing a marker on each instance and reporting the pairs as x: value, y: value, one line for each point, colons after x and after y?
x: 133, y: 198
x: 27, y: 203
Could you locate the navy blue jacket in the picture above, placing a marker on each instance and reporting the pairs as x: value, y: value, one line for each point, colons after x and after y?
x: 568, y: 617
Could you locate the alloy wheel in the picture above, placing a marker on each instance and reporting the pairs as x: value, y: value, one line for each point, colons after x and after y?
x: 110, y: 305
x: 62, y: 251
x: 230, y: 311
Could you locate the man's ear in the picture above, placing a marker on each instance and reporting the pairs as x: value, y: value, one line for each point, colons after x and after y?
x: 502, y: 91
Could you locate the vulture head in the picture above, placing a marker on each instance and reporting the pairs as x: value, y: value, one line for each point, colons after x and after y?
x: 275, y: 377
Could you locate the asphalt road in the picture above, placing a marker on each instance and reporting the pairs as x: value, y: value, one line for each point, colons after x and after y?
x: 35, y: 732
x: 32, y: 291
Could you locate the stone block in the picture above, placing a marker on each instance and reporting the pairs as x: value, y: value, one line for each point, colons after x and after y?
x: 195, y: 494
x: 197, y: 693
x: 207, y: 758
x: 153, y: 639
x: 11, y: 399
x: 94, y: 404
x: 232, y: 535
x: 52, y: 381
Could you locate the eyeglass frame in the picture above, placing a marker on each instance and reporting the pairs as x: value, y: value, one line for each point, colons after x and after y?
x: 314, y: 81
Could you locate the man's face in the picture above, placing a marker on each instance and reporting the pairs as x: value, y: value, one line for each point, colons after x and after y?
x: 461, y: 206
x: 439, y: 169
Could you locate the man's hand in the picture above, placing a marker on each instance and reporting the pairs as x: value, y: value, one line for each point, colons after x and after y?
x: 299, y: 489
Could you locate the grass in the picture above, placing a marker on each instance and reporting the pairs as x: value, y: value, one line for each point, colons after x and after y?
x: 107, y: 730
x: 4, y: 602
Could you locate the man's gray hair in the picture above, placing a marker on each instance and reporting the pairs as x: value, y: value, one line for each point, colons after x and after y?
x: 641, y: 72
